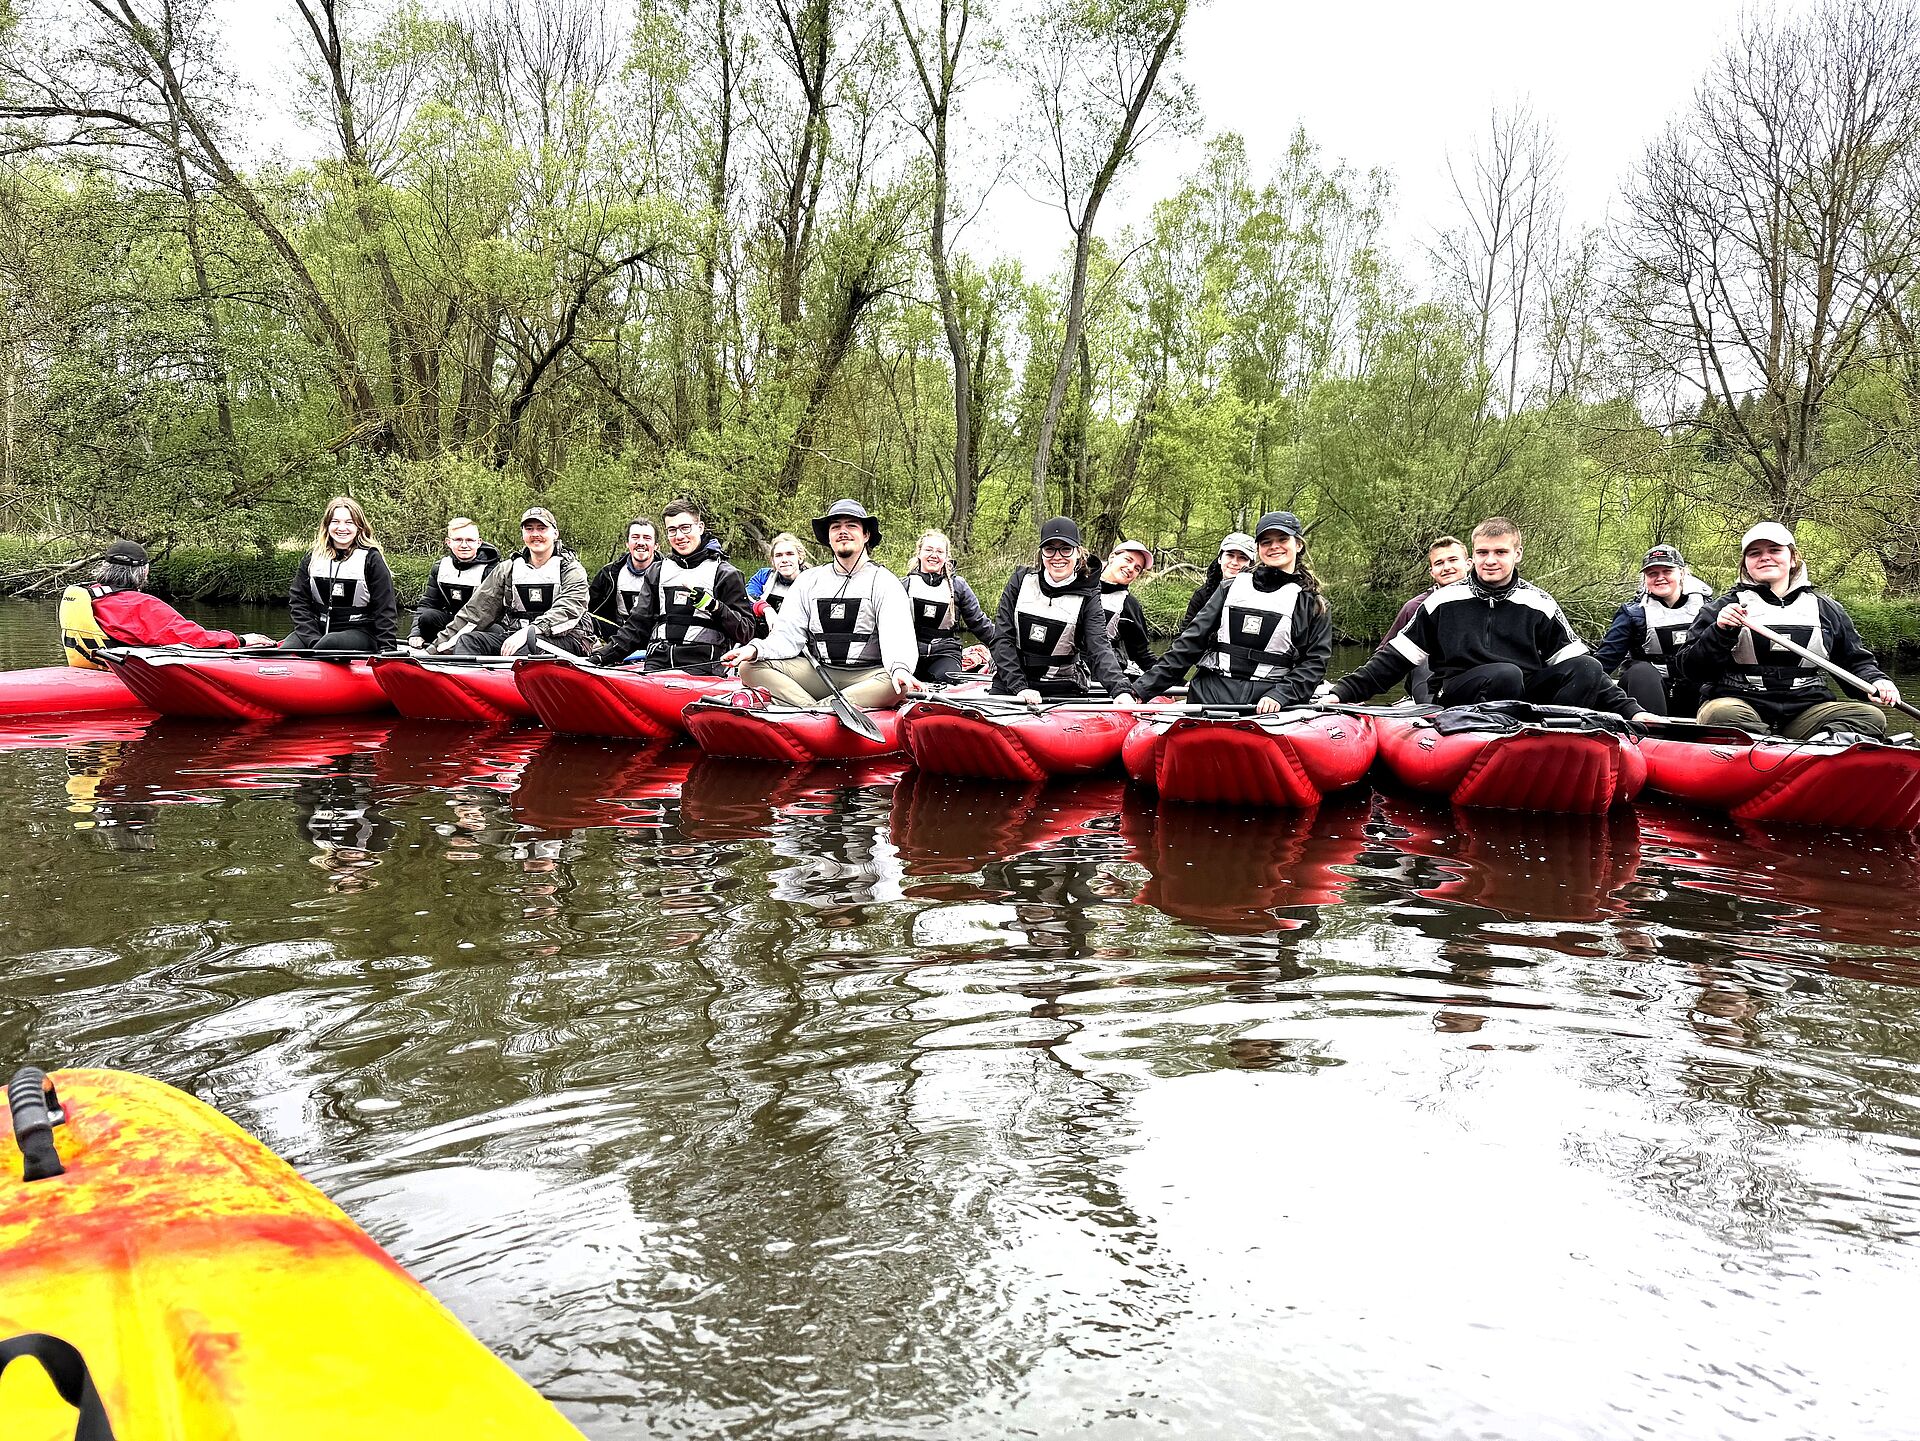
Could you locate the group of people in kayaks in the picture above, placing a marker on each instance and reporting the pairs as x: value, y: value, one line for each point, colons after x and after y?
x: 1257, y: 634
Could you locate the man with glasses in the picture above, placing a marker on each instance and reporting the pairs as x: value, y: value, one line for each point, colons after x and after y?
x: 850, y: 620
x: 693, y: 605
x: 453, y: 581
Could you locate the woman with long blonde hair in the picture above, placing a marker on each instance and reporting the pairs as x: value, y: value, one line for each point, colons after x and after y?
x: 342, y: 592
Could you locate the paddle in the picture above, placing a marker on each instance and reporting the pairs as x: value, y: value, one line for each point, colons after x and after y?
x: 844, y: 710
x: 1775, y: 638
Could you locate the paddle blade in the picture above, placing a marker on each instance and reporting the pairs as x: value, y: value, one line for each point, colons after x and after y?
x: 855, y: 719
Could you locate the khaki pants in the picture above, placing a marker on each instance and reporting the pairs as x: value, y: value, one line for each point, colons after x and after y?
x: 797, y: 683
x: 1852, y: 715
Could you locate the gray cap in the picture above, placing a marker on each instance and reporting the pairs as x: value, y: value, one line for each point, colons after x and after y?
x: 1663, y: 555
x: 541, y: 514
x: 1240, y: 541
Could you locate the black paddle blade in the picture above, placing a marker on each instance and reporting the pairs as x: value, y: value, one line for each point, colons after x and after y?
x: 855, y: 719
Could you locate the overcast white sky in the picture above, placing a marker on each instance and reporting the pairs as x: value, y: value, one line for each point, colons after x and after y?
x: 1394, y: 84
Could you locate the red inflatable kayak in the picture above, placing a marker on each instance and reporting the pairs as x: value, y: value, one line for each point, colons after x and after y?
x: 63, y: 690
x: 477, y: 690
x: 748, y: 726
x: 997, y: 741
x: 1286, y: 761
x: 1865, y: 785
x: 591, y: 700
x: 1563, y: 763
x: 247, y: 685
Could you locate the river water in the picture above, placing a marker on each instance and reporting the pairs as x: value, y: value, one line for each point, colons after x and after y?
x: 723, y: 1100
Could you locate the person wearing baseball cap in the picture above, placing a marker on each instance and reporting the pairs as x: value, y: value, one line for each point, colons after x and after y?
x: 1050, y: 632
x: 1264, y: 638
x: 1126, y: 622
x: 1747, y: 682
x: 536, y: 601
x: 1491, y: 636
x: 114, y: 609
x: 1648, y: 631
x: 849, y: 621
x: 1236, y: 554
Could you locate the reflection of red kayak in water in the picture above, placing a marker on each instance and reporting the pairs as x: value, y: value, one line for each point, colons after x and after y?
x: 1532, y: 867
x: 1286, y: 761
x: 430, y: 757
x: 1567, y: 764
x: 747, y: 726
x: 473, y: 690
x: 1867, y: 785
x: 1229, y: 873
x: 55, y: 732
x: 574, y: 784
x: 946, y: 825
x: 63, y: 690
x: 183, y: 760
x: 1801, y: 886
x: 242, y: 685
x: 995, y: 740
x: 732, y: 799
x: 614, y: 701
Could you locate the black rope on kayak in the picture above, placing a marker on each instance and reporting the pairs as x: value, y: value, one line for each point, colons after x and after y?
x: 36, y: 1111
x: 67, y: 1368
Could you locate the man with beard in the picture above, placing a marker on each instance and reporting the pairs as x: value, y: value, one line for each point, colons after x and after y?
x: 536, y: 600
x: 850, y: 621
x: 692, y: 606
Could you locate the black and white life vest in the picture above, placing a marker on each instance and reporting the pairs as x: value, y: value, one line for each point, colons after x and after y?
x: 627, y: 589
x: 1255, y: 640
x: 1047, y: 628
x: 1665, y: 627
x: 936, y: 615
x: 532, y: 589
x: 1113, y: 602
x: 846, y: 624
x: 1760, y: 665
x: 340, y: 588
x: 775, y: 591
x: 677, y: 625
x: 458, y: 582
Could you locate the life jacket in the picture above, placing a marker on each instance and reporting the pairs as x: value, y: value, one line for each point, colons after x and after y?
x: 846, y: 628
x: 680, y: 632
x: 80, y: 634
x: 1761, y: 666
x: 1047, y: 629
x: 458, y: 582
x: 1255, y: 640
x: 532, y: 589
x: 936, y: 615
x: 340, y: 588
x: 627, y: 589
x: 1113, y: 602
x: 1665, y: 627
x: 775, y: 592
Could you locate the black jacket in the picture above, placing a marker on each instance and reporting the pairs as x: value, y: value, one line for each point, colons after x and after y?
x: 1707, y: 657
x: 732, y: 610
x: 1312, y: 626
x: 310, y: 619
x: 1201, y: 596
x: 1090, y: 646
x: 434, y: 598
x: 602, y: 590
x: 1469, y: 624
x: 1130, y: 630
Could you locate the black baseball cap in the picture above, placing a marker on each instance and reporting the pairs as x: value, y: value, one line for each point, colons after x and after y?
x: 1281, y: 520
x: 126, y: 552
x: 1663, y: 555
x: 1060, y: 528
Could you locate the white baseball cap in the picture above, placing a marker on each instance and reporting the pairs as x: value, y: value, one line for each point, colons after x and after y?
x: 1138, y: 548
x: 1767, y: 530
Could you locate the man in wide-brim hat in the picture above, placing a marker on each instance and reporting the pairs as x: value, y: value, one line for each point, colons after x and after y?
x: 850, y: 620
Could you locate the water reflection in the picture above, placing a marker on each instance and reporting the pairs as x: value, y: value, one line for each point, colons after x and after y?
x: 737, y: 1100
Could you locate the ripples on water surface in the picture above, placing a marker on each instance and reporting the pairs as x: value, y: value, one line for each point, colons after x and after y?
x: 725, y: 1100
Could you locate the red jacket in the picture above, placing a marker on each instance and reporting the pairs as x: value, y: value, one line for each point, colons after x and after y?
x: 132, y: 617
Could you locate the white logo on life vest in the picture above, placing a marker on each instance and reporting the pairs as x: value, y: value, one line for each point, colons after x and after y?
x: 1250, y: 624
x: 339, y: 590
x: 1037, y: 633
x: 839, y: 612
x: 536, y: 594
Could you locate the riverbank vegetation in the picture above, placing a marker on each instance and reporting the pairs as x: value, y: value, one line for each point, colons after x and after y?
x: 600, y: 255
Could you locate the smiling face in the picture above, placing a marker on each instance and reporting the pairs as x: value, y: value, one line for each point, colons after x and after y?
x: 342, y: 529
x: 932, y: 555
x: 684, y: 534
x: 1124, y: 567
x: 1278, y: 549
x: 640, y: 545
x: 1060, y: 560
x: 846, y: 537
x: 1232, y: 562
x: 1769, y: 563
x: 1446, y: 564
x: 1495, y: 556
x: 464, y: 541
x: 538, y: 537
x: 1662, y: 582
x: 785, y: 560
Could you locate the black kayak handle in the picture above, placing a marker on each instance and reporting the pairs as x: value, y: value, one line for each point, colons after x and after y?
x: 36, y: 1111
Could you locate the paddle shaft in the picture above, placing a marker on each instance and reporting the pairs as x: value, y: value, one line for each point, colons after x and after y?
x: 1838, y: 672
x: 844, y: 710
